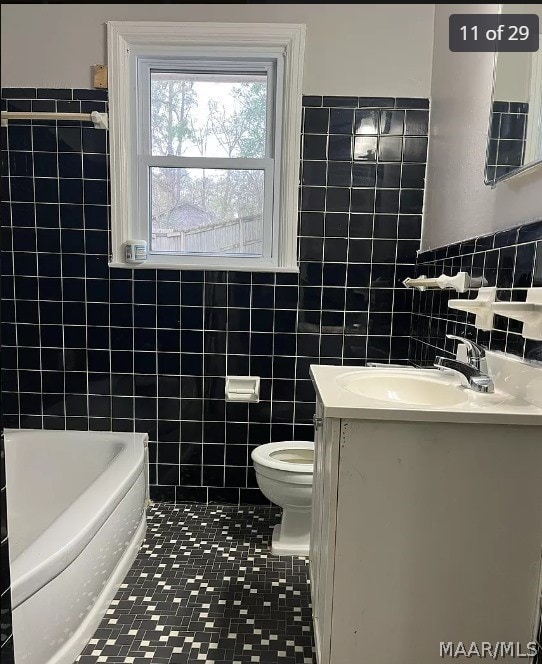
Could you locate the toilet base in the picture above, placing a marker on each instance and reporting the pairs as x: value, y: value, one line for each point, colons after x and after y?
x: 286, y: 547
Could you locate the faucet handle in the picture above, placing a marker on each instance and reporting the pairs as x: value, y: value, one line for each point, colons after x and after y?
x: 475, y: 353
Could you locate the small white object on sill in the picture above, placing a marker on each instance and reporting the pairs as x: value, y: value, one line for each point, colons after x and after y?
x: 481, y: 307
x: 243, y: 388
x: 528, y: 312
x: 135, y: 251
x: 461, y: 282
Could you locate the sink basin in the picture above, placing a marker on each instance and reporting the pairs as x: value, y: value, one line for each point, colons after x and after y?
x: 416, y: 394
x: 401, y: 388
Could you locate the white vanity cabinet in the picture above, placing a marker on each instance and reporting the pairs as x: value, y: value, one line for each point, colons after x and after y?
x: 423, y: 533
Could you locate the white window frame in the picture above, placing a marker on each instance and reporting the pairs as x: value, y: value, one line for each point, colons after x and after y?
x: 270, y: 165
x: 136, y: 47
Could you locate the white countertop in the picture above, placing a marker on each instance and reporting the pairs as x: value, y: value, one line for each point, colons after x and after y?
x: 516, y: 405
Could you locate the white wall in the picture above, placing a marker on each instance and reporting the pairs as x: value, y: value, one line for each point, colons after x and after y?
x: 514, y: 76
x: 372, y: 50
x: 458, y: 205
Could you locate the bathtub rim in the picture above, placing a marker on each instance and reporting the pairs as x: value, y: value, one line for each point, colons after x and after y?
x: 60, y: 544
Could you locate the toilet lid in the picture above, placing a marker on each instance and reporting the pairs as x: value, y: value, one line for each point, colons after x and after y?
x: 292, y: 455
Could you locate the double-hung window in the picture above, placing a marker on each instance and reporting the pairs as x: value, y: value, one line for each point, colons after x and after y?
x: 205, y: 129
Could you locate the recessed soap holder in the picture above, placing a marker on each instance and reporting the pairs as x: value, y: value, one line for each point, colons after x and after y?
x: 243, y: 388
x: 485, y: 307
x: 481, y: 307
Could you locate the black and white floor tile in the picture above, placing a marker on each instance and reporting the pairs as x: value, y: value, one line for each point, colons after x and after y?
x: 205, y: 588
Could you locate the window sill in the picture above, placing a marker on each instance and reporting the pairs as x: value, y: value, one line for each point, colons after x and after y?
x: 154, y: 265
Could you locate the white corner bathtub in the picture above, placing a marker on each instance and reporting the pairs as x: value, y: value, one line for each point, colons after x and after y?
x: 76, y: 519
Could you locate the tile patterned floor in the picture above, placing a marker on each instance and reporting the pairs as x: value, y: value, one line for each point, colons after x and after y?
x: 205, y: 588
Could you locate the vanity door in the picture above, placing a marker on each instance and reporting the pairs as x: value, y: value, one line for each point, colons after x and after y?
x: 316, y: 513
x: 322, y: 550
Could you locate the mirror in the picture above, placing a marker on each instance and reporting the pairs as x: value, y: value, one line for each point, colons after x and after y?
x: 515, y: 122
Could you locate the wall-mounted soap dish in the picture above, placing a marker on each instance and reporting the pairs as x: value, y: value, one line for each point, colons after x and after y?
x: 481, y: 307
x: 528, y: 312
x: 485, y: 307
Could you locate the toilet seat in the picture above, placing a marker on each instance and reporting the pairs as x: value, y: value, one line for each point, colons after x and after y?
x: 269, y: 456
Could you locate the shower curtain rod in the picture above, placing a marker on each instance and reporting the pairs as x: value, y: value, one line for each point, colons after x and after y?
x: 100, y: 120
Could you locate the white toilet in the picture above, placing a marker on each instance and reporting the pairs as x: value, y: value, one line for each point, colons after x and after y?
x: 284, y: 475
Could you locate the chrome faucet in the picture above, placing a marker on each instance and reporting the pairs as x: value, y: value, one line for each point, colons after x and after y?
x: 474, y: 369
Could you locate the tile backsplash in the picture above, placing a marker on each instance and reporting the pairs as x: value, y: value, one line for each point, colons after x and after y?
x: 89, y: 347
x: 511, y: 260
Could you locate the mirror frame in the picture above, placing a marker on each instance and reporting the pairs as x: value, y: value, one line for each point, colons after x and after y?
x: 519, y: 170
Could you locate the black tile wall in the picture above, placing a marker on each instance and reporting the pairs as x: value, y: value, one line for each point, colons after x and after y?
x: 507, y: 138
x: 511, y: 260
x: 87, y: 346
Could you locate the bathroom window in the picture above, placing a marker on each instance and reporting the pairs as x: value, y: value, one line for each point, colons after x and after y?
x: 205, y: 129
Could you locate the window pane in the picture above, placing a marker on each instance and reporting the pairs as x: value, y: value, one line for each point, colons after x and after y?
x: 208, y: 115
x: 211, y: 210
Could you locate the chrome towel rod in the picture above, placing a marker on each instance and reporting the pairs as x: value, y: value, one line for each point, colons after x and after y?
x: 100, y: 120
